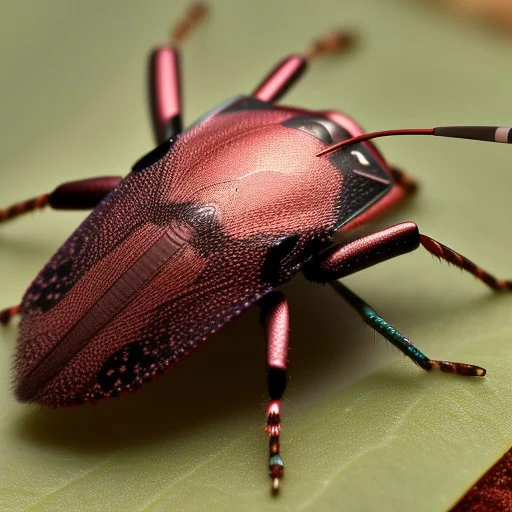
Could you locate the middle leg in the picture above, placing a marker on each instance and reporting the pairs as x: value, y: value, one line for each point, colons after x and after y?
x: 275, y: 320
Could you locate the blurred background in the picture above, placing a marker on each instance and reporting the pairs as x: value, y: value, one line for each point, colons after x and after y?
x: 74, y: 104
x: 496, y: 14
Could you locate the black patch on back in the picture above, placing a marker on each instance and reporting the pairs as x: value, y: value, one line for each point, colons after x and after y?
x: 153, y: 156
x: 358, y: 191
x: 133, y: 365
x: 309, y: 125
x: 271, y: 270
x: 248, y: 103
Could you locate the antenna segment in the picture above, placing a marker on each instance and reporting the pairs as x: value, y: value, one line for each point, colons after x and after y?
x: 502, y: 134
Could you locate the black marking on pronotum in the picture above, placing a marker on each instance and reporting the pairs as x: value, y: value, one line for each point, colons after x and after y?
x: 501, y: 134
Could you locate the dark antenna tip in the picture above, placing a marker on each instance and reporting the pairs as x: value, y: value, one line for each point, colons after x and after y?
x: 502, y: 134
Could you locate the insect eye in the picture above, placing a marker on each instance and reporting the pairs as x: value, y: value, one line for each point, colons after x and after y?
x: 322, y: 129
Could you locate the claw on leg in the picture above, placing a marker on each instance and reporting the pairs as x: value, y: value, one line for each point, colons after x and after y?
x: 470, y: 370
x: 369, y: 315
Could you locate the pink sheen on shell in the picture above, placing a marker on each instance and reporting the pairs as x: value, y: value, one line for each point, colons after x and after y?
x: 277, y: 333
x: 241, y: 181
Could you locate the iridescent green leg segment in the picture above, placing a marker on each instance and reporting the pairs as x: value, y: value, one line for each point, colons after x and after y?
x: 403, y: 344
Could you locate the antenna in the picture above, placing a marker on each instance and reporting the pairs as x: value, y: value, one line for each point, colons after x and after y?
x: 501, y: 134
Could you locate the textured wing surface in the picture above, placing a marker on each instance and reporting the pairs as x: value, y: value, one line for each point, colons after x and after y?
x: 193, y: 236
x: 147, y: 276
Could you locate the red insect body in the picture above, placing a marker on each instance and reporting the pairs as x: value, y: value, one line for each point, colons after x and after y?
x: 234, y: 207
x: 207, y: 225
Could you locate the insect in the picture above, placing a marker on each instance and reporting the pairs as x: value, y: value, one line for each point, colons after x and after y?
x: 207, y: 225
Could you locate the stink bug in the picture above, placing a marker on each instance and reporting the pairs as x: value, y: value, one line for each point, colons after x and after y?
x: 207, y: 225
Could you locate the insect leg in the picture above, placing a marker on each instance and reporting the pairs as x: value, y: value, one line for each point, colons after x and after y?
x: 341, y: 260
x: 275, y: 320
x: 165, y: 78
x: 275, y: 85
x: 164, y: 91
x: 376, y: 322
x: 24, y: 207
x: 443, y: 252
x: 72, y: 195
x: 291, y: 68
x: 7, y: 314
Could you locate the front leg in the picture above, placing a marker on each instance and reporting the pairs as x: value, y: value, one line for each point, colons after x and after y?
x: 342, y: 260
x: 376, y: 322
x: 288, y: 71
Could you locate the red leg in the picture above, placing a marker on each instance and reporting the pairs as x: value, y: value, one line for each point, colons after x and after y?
x: 291, y: 68
x: 164, y: 78
x: 26, y: 206
x: 340, y: 261
x: 7, y: 314
x: 165, y: 95
x: 73, y: 195
x: 442, y: 252
x: 280, y: 79
x: 275, y: 320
